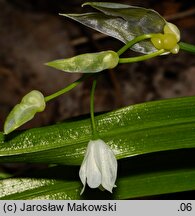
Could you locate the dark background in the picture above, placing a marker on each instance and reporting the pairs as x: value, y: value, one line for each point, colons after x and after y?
x: 32, y: 33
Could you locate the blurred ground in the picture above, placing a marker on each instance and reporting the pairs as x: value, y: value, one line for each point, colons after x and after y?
x: 32, y: 33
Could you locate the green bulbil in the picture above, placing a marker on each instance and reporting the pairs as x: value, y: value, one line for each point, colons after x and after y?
x: 31, y: 103
x: 168, y: 40
x: 87, y: 63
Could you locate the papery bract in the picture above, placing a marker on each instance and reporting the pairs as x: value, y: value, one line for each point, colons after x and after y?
x: 124, y: 22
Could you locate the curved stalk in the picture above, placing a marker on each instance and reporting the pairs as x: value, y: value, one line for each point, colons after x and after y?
x: 141, y: 58
x: 67, y: 88
x: 134, y: 41
x: 94, y: 131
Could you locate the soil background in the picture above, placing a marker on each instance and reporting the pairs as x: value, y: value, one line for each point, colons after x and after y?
x: 32, y: 33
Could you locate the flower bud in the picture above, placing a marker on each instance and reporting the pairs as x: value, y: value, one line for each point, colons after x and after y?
x: 87, y: 63
x: 30, y: 104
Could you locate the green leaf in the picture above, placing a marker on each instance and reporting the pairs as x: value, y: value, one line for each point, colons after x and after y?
x: 4, y: 175
x: 123, y: 22
x: 134, y: 130
x: 141, y: 133
x: 142, y: 176
x: 44, y: 184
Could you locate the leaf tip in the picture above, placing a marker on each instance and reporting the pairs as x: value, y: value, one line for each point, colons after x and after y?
x: 68, y: 15
x: 61, y: 14
x: 50, y: 64
x: 86, y: 3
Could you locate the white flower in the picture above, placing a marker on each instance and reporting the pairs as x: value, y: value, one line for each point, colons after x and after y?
x: 99, y: 166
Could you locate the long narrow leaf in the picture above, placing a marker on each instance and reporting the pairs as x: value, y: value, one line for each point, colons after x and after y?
x: 134, y: 130
x: 57, y: 183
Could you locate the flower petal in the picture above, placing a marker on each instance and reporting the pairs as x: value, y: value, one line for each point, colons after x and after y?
x: 89, y: 171
x: 82, y: 172
x: 93, y: 172
x: 99, y: 166
x: 107, y: 164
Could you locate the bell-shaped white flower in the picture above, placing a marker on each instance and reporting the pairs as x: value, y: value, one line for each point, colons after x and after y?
x: 99, y: 166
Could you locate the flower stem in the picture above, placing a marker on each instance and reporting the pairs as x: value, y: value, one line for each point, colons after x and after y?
x: 187, y: 47
x: 141, y: 58
x: 92, y: 108
x: 67, y: 88
x: 134, y: 41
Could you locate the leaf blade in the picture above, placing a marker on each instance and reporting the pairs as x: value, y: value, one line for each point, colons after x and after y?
x: 134, y: 130
x: 128, y: 187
